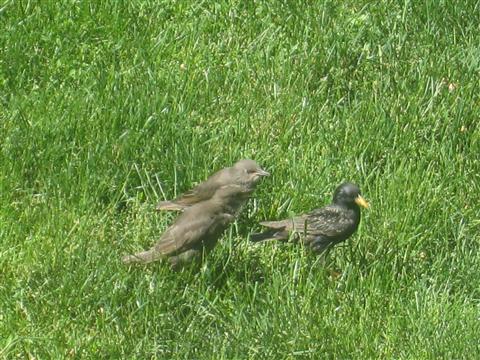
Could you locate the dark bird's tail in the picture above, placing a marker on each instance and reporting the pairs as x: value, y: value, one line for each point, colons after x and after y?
x: 277, y: 231
x: 271, y: 234
x: 169, y: 206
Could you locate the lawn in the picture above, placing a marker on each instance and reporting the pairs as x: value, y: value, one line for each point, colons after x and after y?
x: 108, y: 107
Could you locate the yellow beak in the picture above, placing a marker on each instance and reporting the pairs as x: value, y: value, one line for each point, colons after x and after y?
x: 359, y: 200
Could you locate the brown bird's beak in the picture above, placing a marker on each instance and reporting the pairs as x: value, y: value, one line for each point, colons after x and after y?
x: 262, y: 172
x: 359, y: 200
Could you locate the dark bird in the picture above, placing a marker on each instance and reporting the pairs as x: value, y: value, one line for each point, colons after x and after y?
x: 246, y: 173
x: 196, y: 230
x: 320, y: 229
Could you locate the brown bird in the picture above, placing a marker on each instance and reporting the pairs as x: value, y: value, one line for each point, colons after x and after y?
x: 196, y: 230
x: 320, y: 229
x: 245, y: 173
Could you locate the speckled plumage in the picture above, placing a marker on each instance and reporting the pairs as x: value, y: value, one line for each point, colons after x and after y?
x: 320, y: 229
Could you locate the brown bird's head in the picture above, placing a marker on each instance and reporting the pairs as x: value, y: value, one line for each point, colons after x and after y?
x: 348, y: 194
x: 249, y: 172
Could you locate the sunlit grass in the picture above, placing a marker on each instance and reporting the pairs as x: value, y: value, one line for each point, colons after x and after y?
x: 106, y: 108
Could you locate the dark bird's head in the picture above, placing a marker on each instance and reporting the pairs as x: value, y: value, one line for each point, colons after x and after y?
x: 348, y: 194
x: 249, y: 172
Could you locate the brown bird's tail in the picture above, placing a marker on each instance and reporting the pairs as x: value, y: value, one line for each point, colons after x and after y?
x: 143, y: 257
x: 272, y: 234
x: 169, y: 206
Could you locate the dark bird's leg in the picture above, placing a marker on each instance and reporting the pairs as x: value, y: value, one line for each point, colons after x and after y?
x: 320, y: 245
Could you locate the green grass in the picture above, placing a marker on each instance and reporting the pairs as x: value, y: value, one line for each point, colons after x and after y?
x: 107, y: 107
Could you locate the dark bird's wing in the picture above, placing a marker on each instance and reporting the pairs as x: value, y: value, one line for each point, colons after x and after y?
x: 201, y: 192
x: 331, y: 221
x: 319, y: 229
x: 323, y: 228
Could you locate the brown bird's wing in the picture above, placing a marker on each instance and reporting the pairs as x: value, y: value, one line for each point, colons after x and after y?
x: 201, y: 192
x: 192, y: 230
x: 184, y: 240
